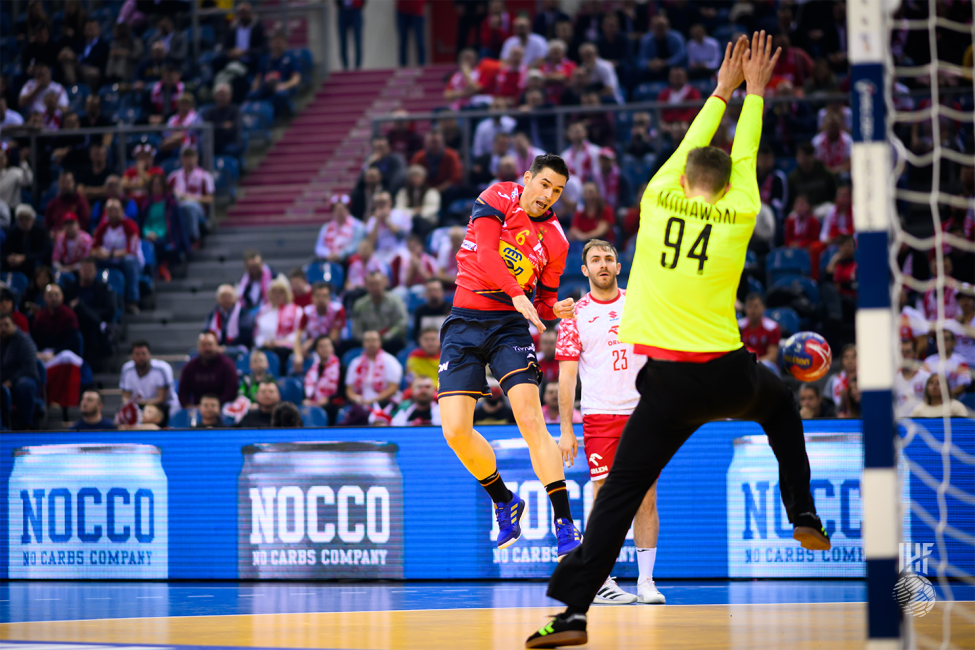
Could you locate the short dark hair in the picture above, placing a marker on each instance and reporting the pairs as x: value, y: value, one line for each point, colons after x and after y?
x: 66, y: 172
x: 286, y: 416
x: 209, y: 396
x: 813, y: 387
x: 319, y: 339
x: 297, y: 273
x: 97, y: 393
x: 806, y: 148
x: 251, y: 253
x: 754, y: 295
x: 765, y: 150
x: 549, y: 161
x: 9, y: 316
x: 708, y: 168
x: 435, y: 330
x: 597, y: 243
x: 6, y: 294
x: 140, y: 344
x: 318, y: 286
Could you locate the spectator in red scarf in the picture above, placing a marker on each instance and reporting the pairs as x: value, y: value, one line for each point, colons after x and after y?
x: 465, y: 82
x: 794, y: 64
x: 71, y: 245
x: 839, y: 220
x: 557, y: 70
x: 323, y: 377
x: 677, y: 91
x: 116, y: 245
x: 834, y: 146
x: 593, y: 219
x: 802, y: 227
x: 614, y: 187
x: 374, y: 376
x: 68, y: 200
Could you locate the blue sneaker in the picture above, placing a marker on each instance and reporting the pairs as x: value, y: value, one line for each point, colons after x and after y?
x: 568, y: 535
x: 509, y: 520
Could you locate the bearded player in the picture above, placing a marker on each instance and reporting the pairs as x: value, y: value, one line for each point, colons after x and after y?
x: 514, y: 246
x: 696, y: 219
x: 589, y: 347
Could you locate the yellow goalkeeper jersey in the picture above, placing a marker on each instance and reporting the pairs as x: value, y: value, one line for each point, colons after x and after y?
x: 680, y: 295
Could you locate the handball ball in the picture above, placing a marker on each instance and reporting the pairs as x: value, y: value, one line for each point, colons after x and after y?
x: 806, y: 355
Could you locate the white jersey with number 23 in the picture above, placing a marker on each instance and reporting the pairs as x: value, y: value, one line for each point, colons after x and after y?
x: 607, y: 367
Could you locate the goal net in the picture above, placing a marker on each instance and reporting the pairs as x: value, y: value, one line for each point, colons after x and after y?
x: 928, y: 101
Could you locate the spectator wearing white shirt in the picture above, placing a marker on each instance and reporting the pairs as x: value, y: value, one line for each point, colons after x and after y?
x: 184, y: 117
x: 31, y: 98
x: 193, y: 188
x: 374, y: 376
x: 834, y: 146
x: 703, y: 54
x: 447, y: 254
x: 952, y: 365
x: 600, y: 71
x: 489, y: 127
x: 387, y: 228
x: 910, y: 380
x: 9, y: 117
x: 535, y: 46
x: 934, y: 405
x: 340, y: 236
x: 148, y: 380
x: 581, y: 156
x: 13, y: 180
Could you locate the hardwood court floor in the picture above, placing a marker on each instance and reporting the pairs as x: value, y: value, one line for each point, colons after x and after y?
x: 808, y: 625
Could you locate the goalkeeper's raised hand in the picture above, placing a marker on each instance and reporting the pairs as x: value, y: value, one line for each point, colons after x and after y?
x: 758, y: 64
x: 730, y: 75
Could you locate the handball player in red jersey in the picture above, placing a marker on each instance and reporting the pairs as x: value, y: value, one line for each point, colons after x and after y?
x: 514, y: 247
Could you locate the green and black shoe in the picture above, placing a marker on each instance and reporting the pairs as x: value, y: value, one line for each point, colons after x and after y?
x: 564, y: 629
x: 808, y: 530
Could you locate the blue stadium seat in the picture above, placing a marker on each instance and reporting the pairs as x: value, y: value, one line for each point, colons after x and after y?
x: 170, y: 165
x: 461, y: 208
x: 263, y: 109
x: 968, y: 399
x: 326, y: 272
x: 786, y: 164
x: 64, y: 279
x: 273, y: 363
x: 17, y: 282
x: 754, y: 286
x: 705, y: 86
x: 349, y: 356
x: 46, y: 197
x: 77, y: 94
x: 808, y: 285
x: 824, y: 259
x: 751, y: 262
x: 313, y: 416
x: 291, y: 390
x: 181, y: 419
x: 111, y: 98
x: 785, y: 261
x: 405, y: 352
x: 648, y: 91
x: 116, y: 281
x: 414, y: 301
x: 787, y: 319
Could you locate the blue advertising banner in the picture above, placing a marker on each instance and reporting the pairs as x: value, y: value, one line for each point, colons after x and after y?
x: 394, y: 503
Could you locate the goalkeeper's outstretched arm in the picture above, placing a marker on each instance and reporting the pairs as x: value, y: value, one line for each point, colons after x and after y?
x: 704, y: 126
x: 757, y: 67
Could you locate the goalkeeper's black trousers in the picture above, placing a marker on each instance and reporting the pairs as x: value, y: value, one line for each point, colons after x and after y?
x: 675, y: 400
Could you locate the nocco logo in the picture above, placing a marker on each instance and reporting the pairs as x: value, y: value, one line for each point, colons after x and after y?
x: 68, y: 515
x: 291, y: 515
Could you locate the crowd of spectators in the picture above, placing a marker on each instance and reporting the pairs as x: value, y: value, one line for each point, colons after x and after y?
x: 356, y: 333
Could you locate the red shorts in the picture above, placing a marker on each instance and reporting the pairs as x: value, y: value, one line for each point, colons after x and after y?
x: 600, y: 435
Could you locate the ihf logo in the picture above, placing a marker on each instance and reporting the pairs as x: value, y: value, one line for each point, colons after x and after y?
x: 913, y: 591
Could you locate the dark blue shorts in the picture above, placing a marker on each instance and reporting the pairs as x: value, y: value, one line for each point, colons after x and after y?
x: 471, y: 339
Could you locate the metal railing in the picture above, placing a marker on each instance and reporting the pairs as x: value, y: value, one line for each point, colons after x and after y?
x: 119, y: 131
x: 468, y: 118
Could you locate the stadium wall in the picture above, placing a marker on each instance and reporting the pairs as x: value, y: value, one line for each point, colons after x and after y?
x: 249, y: 504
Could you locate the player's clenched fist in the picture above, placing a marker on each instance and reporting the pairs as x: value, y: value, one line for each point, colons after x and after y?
x: 565, y: 308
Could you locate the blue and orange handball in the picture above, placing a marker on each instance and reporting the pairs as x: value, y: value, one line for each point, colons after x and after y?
x: 806, y: 356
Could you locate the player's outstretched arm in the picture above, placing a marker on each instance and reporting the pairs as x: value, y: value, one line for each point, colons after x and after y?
x: 568, y: 443
x: 757, y: 67
x: 704, y: 126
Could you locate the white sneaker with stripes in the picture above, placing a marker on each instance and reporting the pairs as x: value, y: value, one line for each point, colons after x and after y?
x: 648, y: 594
x: 611, y: 594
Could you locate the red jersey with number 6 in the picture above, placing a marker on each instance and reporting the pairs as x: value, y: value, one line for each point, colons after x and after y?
x: 607, y: 366
x: 533, y: 250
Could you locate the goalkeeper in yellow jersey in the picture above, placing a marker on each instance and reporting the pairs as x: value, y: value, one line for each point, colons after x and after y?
x: 696, y: 219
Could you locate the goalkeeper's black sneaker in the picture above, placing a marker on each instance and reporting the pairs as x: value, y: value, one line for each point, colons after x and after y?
x: 809, y: 531
x: 564, y: 629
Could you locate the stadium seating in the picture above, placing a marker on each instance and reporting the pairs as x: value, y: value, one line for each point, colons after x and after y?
x: 273, y: 364
x: 291, y: 390
x: 313, y: 416
x: 787, y: 319
x: 786, y: 261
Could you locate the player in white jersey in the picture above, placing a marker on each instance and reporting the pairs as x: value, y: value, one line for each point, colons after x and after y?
x: 589, y: 346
